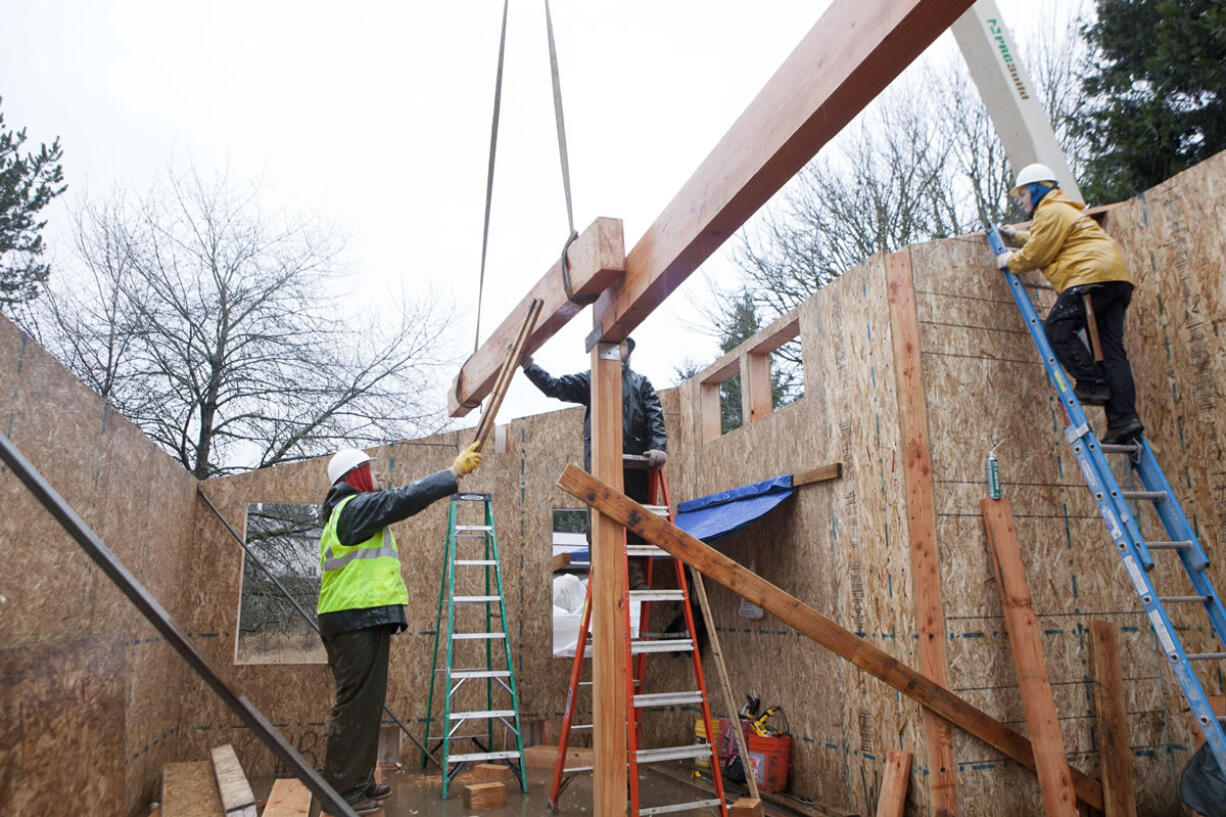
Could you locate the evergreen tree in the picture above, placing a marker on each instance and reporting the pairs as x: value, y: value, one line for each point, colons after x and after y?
x: 28, y: 183
x: 1157, y: 79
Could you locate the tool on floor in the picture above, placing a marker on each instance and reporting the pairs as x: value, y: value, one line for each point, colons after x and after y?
x: 758, y: 723
x: 637, y: 650
x: 480, y: 590
x: 1125, y: 529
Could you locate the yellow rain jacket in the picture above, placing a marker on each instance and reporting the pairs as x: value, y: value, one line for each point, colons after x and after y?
x: 1069, y: 246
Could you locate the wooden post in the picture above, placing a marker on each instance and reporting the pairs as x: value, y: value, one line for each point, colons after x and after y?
x: 893, y: 797
x: 791, y: 611
x: 610, y: 666
x: 700, y: 589
x: 1055, y: 781
x: 921, y: 522
x: 756, y: 397
x: 1114, y: 749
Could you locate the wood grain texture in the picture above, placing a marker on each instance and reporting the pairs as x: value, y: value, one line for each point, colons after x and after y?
x: 490, y: 794
x: 893, y: 798
x: 1111, y: 717
x: 288, y: 798
x: 921, y: 521
x: 791, y: 611
x: 236, y: 797
x: 1042, y: 720
x: 190, y: 790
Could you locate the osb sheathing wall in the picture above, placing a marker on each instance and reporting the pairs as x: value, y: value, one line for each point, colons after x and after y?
x: 843, y: 546
x: 87, y: 687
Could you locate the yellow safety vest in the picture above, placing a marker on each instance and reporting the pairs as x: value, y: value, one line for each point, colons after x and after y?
x: 365, y: 575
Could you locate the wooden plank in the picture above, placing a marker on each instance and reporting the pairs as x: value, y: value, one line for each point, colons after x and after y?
x: 597, y: 259
x: 236, y: 796
x: 821, y: 86
x: 921, y: 521
x: 544, y: 756
x: 746, y: 806
x: 559, y: 561
x: 758, y: 402
x: 491, y: 794
x: 1111, y: 718
x: 791, y: 611
x: 610, y: 668
x: 822, y: 473
x: 730, y: 700
x: 507, y: 372
x: 189, y: 790
x: 492, y: 771
x: 1042, y: 720
x: 288, y: 798
x: 712, y: 423
x: 893, y: 798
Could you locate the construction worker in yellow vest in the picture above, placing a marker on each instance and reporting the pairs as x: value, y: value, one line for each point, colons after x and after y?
x: 361, y: 605
x: 1083, y: 263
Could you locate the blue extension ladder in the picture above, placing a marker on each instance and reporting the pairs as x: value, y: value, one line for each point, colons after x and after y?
x: 1113, y: 502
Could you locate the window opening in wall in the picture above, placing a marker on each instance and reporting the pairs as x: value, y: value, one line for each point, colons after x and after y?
x: 787, y: 374
x: 285, y: 539
x: 731, y: 417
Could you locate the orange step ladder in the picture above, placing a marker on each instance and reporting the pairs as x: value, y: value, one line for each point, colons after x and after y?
x: 637, y: 650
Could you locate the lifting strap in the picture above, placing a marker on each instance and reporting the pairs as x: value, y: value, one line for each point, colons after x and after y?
x: 489, y: 179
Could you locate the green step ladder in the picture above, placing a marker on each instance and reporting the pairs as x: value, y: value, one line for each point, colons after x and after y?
x: 484, y: 574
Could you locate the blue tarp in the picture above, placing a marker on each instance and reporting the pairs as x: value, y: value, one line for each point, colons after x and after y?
x: 715, y: 516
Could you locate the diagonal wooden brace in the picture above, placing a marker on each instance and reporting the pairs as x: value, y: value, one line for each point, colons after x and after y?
x: 597, y: 261
x: 793, y: 612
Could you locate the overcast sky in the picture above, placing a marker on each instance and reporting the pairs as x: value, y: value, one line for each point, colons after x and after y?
x: 376, y: 117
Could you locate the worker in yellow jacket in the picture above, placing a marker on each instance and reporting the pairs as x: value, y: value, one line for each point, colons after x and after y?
x: 1079, y: 259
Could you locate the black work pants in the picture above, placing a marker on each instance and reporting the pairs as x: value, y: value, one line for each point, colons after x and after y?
x: 358, y: 661
x: 1068, y: 317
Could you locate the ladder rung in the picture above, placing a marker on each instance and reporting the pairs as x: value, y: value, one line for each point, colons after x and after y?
x: 1207, y: 656
x: 697, y: 804
x: 678, y: 645
x: 475, y: 599
x: 1156, y: 496
x: 476, y: 561
x: 645, y: 550
x: 1183, y: 599
x: 476, y: 636
x: 576, y: 769
x: 1184, y: 545
x: 481, y: 756
x: 1115, y: 448
x: 657, y: 595
x: 473, y: 527
x: 575, y: 726
x: 667, y: 698
x: 478, y: 673
x: 658, y: 510
x: 689, y: 751
x: 483, y: 714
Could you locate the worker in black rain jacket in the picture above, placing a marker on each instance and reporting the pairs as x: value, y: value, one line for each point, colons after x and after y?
x: 361, y: 605
x: 642, y: 425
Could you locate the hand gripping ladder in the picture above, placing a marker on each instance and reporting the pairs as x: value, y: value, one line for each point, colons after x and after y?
x: 1112, y: 502
x: 637, y: 650
x: 481, y: 579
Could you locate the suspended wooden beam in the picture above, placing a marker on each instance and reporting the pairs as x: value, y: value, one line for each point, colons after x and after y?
x: 597, y: 259
x: 791, y: 611
x: 853, y: 52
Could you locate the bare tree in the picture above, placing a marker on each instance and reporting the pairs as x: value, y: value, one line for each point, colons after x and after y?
x: 221, y: 330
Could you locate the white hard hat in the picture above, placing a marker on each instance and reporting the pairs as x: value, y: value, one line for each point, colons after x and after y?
x: 344, y: 461
x: 1033, y: 173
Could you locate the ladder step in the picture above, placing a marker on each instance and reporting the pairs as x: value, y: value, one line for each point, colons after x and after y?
x: 677, y: 645
x: 1184, y: 545
x: 476, y: 561
x: 691, y: 751
x: 476, y: 636
x: 1155, y: 496
x: 697, y: 804
x: 658, y: 510
x: 483, y: 714
x: 1115, y: 448
x: 478, y: 673
x: 1208, y: 656
x: 577, y: 769
x: 475, y: 599
x: 575, y: 726
x: 667, y: 698
x: 471, y: 756
x: 460, y: 528
x: 657, y: 595
x: 645, y: 550
x: 1183, y: 599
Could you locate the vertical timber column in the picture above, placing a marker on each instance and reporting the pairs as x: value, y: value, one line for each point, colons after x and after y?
x: 921, y: 523
x: 609, y: 665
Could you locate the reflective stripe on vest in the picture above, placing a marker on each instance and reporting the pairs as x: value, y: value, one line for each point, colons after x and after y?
x: 364, y: 575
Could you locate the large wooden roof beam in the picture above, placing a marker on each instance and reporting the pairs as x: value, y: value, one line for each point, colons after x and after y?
x: 853, y: 52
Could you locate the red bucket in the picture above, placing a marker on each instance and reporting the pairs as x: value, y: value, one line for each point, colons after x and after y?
x: 769, y: 757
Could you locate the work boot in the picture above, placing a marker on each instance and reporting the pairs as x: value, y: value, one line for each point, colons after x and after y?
x: 366, y: 807
x: 1124, y: 434
x: 378, y: 791
x: 1092, y: 394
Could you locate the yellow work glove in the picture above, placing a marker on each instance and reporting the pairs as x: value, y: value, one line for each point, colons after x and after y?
x: 467, y: 461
